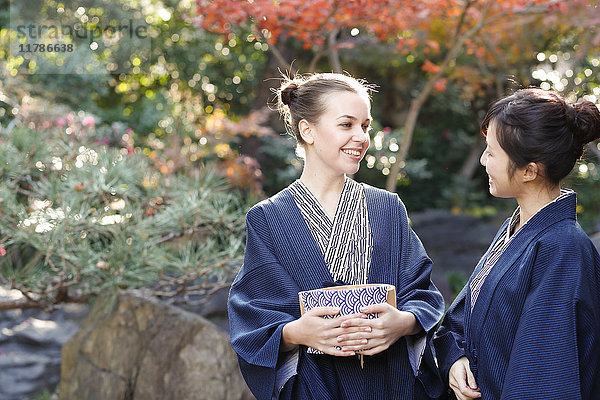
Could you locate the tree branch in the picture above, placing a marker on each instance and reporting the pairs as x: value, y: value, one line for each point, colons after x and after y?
x: 28, y: 303
x: 313, y: 63
x: 281, y: 61
x: 417, y: 103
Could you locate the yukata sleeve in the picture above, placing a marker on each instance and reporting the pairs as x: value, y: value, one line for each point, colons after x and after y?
x: 416, y: 292
x: 545, y: 361
x: 450, y: 336
x: 449, y: 340
x: 262, y: 299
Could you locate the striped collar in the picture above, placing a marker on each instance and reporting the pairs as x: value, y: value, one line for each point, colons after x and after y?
x: 516, y: 215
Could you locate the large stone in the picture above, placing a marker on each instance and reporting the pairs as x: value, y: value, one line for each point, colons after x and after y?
x: 30, y: 345
x: 135, y: 348
x: 455, y: 243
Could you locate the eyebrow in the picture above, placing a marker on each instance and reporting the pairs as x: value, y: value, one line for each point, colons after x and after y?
x: 352, y: 118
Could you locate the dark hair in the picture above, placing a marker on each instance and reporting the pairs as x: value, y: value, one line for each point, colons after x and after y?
x: 303, y: 97
x: 535, y: 125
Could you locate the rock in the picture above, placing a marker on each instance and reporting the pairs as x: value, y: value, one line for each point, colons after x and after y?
x: 137, y: 348
x: 454, y: 242
x: 213, y: 308
x: 30, y: 345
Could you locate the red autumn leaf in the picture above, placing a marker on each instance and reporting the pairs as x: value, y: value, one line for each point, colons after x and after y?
x: 440, y: 85
x: 428, y: 66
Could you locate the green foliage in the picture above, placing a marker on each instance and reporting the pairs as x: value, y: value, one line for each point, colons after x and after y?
x: 45, y: 395
x: 585, y: 180
x: 457, y: 281
x: 191, y: 104
x: 281, y: 166
x: 188, y: 74
x: 429, y: 177
x: 78, y: 219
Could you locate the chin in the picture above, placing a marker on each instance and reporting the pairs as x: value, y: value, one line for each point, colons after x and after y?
x: 500, y: 195
x: 352, y: 171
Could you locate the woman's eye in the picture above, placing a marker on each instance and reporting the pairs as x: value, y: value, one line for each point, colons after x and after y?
x: 366, y: 128
x: 346, y: 124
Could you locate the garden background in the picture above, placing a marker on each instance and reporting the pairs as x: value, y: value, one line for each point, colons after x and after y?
x: 129, y: 164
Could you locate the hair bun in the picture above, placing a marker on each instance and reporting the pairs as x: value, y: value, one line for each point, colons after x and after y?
x: 289, y: 93
x: 586, y: 123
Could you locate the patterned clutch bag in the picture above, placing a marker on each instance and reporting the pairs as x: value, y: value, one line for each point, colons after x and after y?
x: 350, y: 299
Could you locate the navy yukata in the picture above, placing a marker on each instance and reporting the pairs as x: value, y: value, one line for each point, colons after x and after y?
x: 282, y: 258
x: 533, y: 331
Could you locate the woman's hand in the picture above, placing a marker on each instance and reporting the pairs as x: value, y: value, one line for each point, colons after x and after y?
x: 372, y: 336
x: 462, y: 381
x: 315, y: 331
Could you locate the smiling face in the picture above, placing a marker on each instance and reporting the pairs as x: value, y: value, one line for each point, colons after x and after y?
x: 497, y: 166
x: 338, y: 141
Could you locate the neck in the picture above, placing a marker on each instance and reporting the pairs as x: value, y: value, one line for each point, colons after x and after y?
x: 532, y: 200
x: 321, y: 185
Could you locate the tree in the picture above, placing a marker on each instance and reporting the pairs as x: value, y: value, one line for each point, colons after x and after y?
x: 317, y: 25
x: 79, y: 218
x: 444, y: 33
x: 184, y: 101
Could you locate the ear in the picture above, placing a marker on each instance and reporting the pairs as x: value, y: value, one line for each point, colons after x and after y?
x: 530, y: 172
x: 305, y: 131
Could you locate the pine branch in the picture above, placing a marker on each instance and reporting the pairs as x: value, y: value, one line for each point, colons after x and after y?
x: 108, y: 221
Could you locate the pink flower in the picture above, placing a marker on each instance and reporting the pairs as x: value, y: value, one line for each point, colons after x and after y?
x: 2, y: 250
x: 88, y: 121
x: 69, y: 118
x: 46, y: 124
x: 387, y: 130
x: 60, y: 122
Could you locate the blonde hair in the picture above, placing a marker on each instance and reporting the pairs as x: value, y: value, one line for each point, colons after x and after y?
x: 302, y: 97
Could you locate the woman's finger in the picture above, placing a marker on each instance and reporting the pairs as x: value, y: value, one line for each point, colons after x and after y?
x: 375, y: 308
x: 471, y: 380
x: 371, y: 350
x: 361, y: 321
x: 353, y: 333
x: 323, y: 311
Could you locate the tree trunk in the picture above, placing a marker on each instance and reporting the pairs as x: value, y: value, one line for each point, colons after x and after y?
x: 472, y: 162
x: 417, y: 103
x: 334, y: 56
x: 408, y: 130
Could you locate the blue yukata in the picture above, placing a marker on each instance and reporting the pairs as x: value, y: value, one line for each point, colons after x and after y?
x: 529, y: 318
x: 284, y: 256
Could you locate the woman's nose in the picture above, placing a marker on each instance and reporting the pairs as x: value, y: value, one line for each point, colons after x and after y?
x: 360, y: 136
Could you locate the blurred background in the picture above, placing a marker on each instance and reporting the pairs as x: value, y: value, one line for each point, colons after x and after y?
x: 129, y: 161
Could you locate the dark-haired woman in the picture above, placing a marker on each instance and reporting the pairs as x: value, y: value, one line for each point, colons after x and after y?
x: 526, y: 325
x: 325, y: 227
